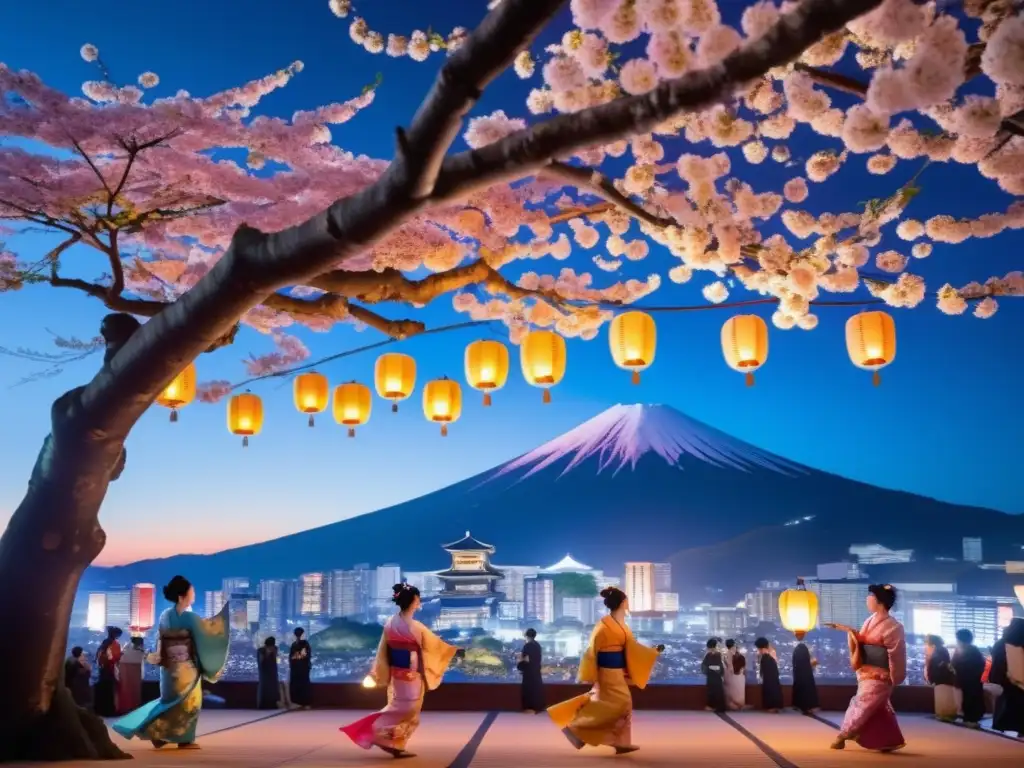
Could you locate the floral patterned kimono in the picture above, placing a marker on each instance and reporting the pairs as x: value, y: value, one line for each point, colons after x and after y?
x: 604, y: 716
x: 410, y: 661
x: 870, y: 719
x: 190, y: 649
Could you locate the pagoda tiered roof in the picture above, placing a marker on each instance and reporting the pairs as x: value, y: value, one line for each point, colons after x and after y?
x: 488, y: 571
x: 468, y: 544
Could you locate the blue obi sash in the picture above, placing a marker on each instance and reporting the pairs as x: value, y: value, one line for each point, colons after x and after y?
x: 400, y: 658
x: 611, y: 659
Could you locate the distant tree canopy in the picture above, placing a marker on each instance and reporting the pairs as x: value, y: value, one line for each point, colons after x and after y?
x: 575, y: 585
x: 345, y: 635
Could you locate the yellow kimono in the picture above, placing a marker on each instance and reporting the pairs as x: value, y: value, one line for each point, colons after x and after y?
x: 613, y: 660
x: 410, y: 661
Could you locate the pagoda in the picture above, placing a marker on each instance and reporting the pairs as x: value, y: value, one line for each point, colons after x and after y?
x: 469, y: 598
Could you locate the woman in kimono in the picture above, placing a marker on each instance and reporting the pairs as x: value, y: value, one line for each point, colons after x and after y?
x: 107, y: 657
x: 735, y: 676
x: 805, y: 690
x: 189, y: 650
x: 714, y: 675
x: 268, y: 692
x: 938, y: 672
x: 410, y: 661
x: 1008, y: 673
x: 300, y: 663
x: 533, y: 682
x: 878, y: 654
x: 129, y: 676
x: 768, y: 670
x: 613, y: 660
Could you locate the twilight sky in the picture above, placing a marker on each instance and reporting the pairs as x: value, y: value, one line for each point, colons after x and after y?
x: 945, y: 423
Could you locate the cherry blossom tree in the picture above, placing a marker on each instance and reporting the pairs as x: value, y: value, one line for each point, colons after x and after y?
x: 206, y: 216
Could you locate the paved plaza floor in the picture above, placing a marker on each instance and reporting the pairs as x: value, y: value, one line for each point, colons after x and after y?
x: 249, y: 739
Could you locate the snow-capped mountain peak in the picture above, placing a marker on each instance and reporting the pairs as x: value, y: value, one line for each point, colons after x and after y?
x: 623, y: 434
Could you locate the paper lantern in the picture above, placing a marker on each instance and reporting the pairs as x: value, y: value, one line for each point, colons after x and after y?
x: 542, y: 354
x: 352, y: 405
x: 798, y: 610
x: 395, y: 377
x: 245, y: 416
x: 311, y: 393
x: 442, y: 402
x: 369, y: 682
x: 745, y: 344
x: 180, y: 392
x: 633, y: 339
x: 486, y: 366
x: 871, y: 341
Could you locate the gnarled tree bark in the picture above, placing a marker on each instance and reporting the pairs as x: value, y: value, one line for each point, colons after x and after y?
x: 55, y: 532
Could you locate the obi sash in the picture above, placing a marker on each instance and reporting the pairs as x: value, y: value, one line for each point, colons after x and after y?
x: 874, y: 656
x: 611, y: 659
x: 176, y: 647
x: 400, y: 656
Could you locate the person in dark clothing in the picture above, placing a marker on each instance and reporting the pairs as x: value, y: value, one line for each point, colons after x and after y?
x: 268, y: 691
x: 938, y: 673
x: 805, y: 690
x: 1008, y: 672
x: 969, y: 667
x: 533, y: 682
x: 768, y: 669
x: 300, y: 663
x: 77, y: 674
x: 107, y: 657
x: 714, y: 673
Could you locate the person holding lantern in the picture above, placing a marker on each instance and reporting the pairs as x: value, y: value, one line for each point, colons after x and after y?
x: 410, y: 661
x: 613, y: 660
x: 878, y: 653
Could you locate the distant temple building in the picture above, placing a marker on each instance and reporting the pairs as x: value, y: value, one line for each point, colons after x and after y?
x: 469, y: 597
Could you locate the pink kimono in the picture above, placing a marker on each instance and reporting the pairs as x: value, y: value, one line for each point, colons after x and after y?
x: 870, y: 719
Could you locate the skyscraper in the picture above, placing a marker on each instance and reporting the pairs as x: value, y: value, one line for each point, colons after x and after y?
x: 312, y: 594
x: 662, y: 577
x: 539, y: 603
x: 638, y: 584
x: 972, y: 550
x: 96, y: 614
x: 212, y: 603
x: 119, y: 608
x: 272, y: 604
x: 388, y: 575
x: 234, y: 584
x: 427, y: 582
x: 143, y: 607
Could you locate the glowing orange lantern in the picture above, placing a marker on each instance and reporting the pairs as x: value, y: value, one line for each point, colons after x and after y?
x: 442, y: 402
x: 745, y: 344
x: 633, y: 339
x: 180, y: 392
x: 352, y: 404
x: 798, y: 610
x: 311, y: 393
x: 542, y: 355
x: 486, y: 366
x: 395, y: 377
x: 245, y: 416
x: 871, y: 342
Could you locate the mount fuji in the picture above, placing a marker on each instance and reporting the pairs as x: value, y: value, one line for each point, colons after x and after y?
x: 635, y: 483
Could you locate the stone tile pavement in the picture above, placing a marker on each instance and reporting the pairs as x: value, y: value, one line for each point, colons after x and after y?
x: 249, y: 739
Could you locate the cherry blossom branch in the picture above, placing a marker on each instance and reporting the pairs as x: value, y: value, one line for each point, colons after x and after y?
x: 530, y: 150
x: 597, y: 183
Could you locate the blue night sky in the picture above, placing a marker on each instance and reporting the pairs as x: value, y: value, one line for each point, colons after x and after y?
x: 946, y: 421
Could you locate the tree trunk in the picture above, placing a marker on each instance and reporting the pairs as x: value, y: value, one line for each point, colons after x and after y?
x: 51, y: 539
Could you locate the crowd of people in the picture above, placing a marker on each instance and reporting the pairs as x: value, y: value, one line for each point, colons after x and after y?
x: 412, y: 660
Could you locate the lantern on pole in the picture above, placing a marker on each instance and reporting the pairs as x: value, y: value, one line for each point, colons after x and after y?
x: 871, y: 342
x: 745, y: 344
x: 542, y: 355
x: 395, y: 377
x: 442, y: 402
x: 798, y: 610
x: 245, y: 416
x: 486, y: 366
x: 180, y: 392
x: 352, y: 405
x: 311, y: 393
x: 633, y: 339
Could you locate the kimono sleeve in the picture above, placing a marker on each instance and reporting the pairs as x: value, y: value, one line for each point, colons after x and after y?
x: 640, y: 661
x: 587, y: 672
x: 894, y: 639
x: 436, y: 656
x: 381, y: 672
x: 211, y: 638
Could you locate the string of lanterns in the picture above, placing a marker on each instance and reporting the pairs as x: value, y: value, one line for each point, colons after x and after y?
x: 870, y: 343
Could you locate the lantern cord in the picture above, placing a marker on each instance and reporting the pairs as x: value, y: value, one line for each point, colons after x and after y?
x: 876, y: 379
x: 311, y: 422
x: 174, y: 415
x: 547, y: 396
x: 487, y: 398
x: 351, y: 432
x: 245, y: 441
x: 444, y: 430
x: 636, y: 377
x: 394, y: 407
x: 750, y: 379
